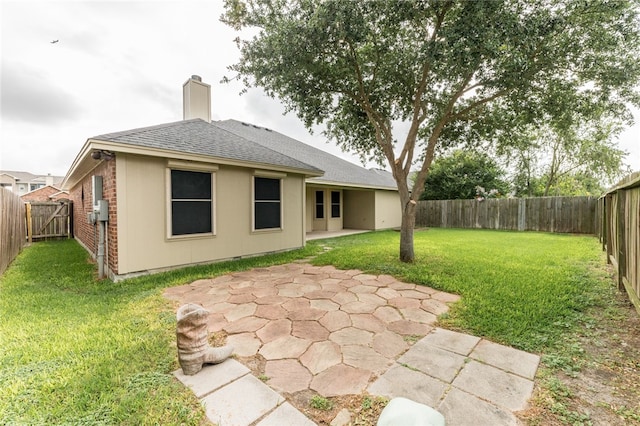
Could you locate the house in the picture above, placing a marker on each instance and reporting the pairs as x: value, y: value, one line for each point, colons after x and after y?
x: 345, y: 196
x: 48, y: 193
x: 22, y: 182
x: 196, y: 191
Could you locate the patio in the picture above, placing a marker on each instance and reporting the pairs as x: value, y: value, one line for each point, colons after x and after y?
x: 344, y: 332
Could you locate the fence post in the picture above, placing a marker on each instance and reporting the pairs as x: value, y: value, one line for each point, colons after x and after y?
x: 622, y: 257
x: 522, y: 213
x: 29, y: 224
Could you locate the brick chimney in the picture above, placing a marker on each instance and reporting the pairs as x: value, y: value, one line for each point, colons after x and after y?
x: 196, y: 99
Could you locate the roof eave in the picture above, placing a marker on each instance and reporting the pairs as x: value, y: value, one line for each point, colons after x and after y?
x: 351, y: 185
x: 77, y: 172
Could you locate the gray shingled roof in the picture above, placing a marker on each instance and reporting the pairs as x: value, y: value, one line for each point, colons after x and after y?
x: 26, y: 177
x: 196, y: 136
x: 336, y: 170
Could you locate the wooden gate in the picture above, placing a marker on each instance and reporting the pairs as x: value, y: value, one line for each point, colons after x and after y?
x: 49, y: 220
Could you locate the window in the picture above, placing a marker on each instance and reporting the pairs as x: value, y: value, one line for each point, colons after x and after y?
x: 191, y: 202
x: 335, y: 203
x: 266, y: 203
x: 319, y: 204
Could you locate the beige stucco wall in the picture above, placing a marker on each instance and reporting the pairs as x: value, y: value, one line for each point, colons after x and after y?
x: 359, y: 209
x: 309, y: 209
x: 143, y: 243
x: 371, y: 209
x: 388, y: 211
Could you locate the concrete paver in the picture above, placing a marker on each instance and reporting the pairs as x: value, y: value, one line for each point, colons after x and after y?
x: 364, y: 357
x: 287, y: 375
x: 469, y: 380
x: 286, y: 414
x: 400, y: 381
x: 509, y: 359
x: 452, y: 341
x: 341, y: 379
x: 344, y: 332
x: 245, y: 344
x: 212, y: 378
x: 285, y: 347
x: 462, y: 409
x: 320, y: 356
x: 241, y: 402
x: 490, y: 383
x: 435, y: 362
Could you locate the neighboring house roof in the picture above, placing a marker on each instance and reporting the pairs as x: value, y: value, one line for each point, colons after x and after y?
x: 196, y: 136
x: 48, y: 192
x: 26, y: 177
x: 336, y: 170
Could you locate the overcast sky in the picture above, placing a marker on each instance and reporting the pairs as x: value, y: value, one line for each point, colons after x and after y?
x: 120, y: 65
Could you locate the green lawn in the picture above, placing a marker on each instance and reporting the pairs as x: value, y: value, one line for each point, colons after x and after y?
x: 82, y: 352
x: 521, y: 289
x: 79, y: 351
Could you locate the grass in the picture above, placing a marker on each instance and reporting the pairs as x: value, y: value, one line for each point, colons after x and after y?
x: 320, y: 403
x: 521, y: 289
x: 80, y: 351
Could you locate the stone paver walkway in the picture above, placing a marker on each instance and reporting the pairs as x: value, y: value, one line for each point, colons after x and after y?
x: 344, y: 332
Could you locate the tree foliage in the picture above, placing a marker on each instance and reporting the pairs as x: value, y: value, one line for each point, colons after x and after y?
x: 580, y: 159
x: 446, y: 70
x: 457, y: 176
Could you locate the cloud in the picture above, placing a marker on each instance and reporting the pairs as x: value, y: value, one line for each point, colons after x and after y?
x: 28, y: 96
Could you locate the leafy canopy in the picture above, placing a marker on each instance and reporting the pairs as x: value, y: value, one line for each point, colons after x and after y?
x: 458, y: 175
x: 397, y: 80
x: 581, y: 159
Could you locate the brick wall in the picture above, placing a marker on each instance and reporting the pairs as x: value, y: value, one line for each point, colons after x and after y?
x: 44, y: 194
x: 82, y: 196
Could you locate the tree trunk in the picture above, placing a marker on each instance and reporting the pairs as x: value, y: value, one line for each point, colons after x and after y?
x: 407, y: 254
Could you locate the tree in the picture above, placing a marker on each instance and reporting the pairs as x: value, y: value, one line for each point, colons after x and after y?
x: 573, y: 184
x: 571, y: 159
x: 458, y: 175
x: 446, y: 70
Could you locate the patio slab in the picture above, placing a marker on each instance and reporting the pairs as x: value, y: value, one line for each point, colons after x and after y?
x: 344, y: 332
x: 241, y: 402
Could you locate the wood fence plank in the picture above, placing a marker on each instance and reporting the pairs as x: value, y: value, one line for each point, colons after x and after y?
x: 548, y: 214
x: 620, y: 213
x: 13, y: 232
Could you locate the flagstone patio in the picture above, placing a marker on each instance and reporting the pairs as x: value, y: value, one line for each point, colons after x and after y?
x: 345, y: 332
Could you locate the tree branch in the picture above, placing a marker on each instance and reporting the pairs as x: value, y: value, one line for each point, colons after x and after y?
x: 380, y: 124
x: 405, y: 159
x: 462, y: 113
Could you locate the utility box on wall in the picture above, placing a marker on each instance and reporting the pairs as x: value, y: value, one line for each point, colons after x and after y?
x: 96, y: 190
x: 102, y: 211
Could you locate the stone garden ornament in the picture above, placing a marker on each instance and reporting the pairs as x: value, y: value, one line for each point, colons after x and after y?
x: 192, y: 335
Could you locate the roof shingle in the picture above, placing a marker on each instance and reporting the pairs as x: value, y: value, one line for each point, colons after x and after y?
x: 336, y: 170
x: 196, y: 136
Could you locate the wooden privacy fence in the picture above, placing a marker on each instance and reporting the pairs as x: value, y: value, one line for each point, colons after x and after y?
x: 12, y: 229
x: 619, y: 231
x: 548, y: 214
x: 49, y: 220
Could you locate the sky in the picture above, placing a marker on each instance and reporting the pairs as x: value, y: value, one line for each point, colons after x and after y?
x: 120, y: 65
